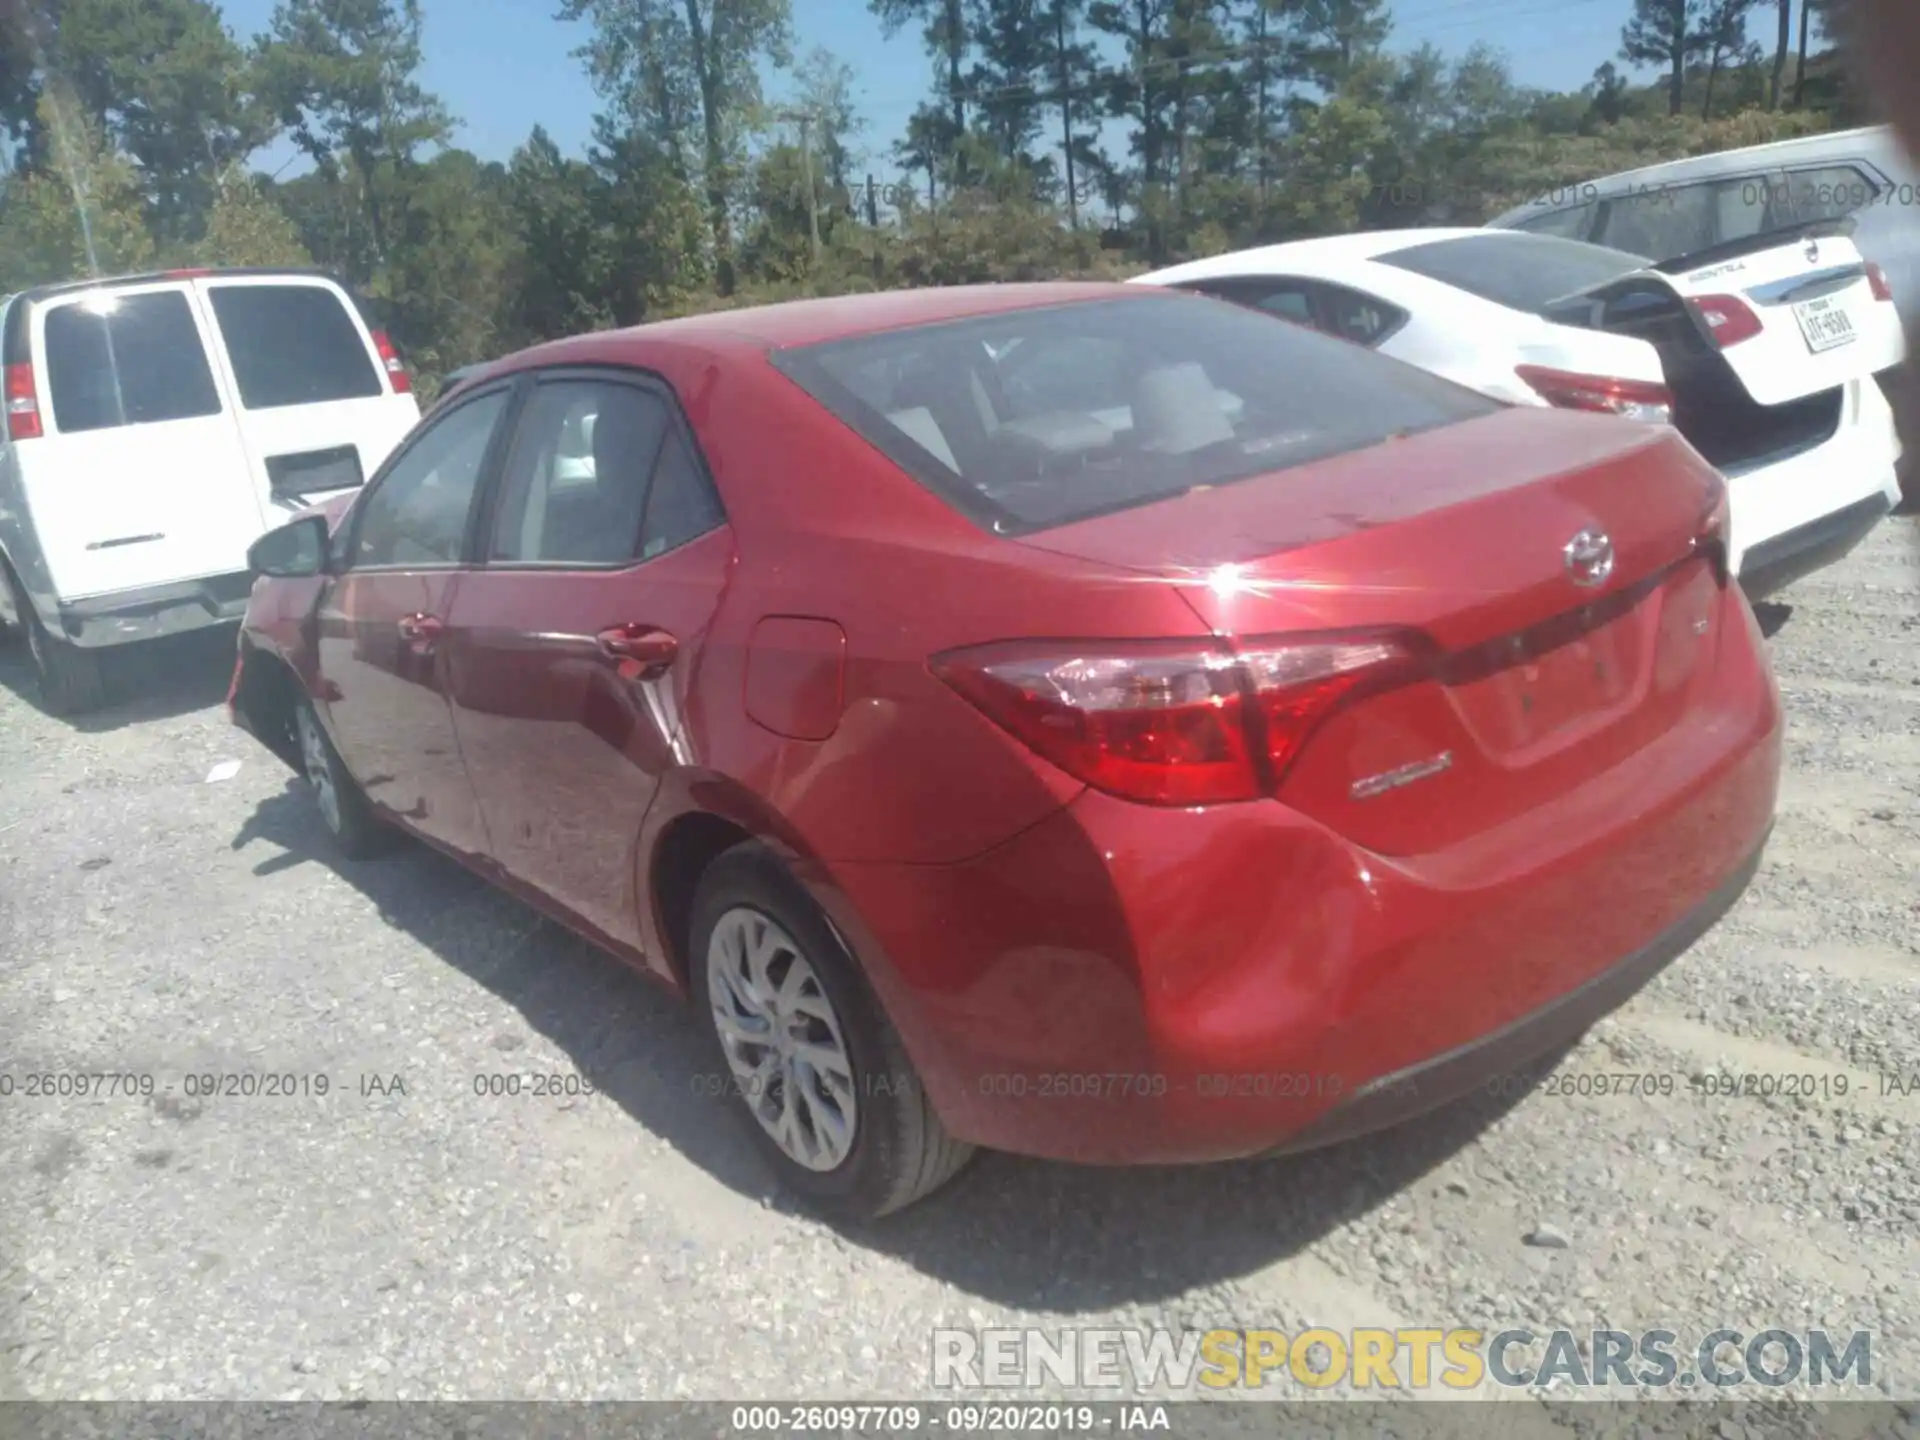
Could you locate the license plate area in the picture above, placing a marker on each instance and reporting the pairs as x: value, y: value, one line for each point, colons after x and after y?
x: 1575, y: 674
x: 1825, y: 324
x: 1541, y: 694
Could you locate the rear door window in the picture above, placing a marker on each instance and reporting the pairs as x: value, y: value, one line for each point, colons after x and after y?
x: 681, y: 505
x: 575, y: 486
x: 1665, y: 222
x: 1828, y: 193
x: 293, y: 345
x: 1044, y: 416
x: 117, y: 359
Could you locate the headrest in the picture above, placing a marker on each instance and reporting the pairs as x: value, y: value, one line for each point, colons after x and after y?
x: 623, y: 439
x: 1176, y: 410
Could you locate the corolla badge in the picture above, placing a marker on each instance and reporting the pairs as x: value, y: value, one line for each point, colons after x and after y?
x: 1589, y: 557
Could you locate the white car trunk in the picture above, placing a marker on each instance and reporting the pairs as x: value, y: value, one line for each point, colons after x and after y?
x: 1789, y: 321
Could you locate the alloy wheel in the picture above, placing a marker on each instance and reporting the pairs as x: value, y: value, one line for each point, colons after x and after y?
x: 783, y: 1040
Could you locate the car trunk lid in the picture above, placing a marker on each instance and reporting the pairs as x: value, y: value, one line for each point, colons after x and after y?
x: 1792, y: 313
x: 1546, y: 661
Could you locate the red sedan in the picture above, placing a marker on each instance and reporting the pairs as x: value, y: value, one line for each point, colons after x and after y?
x: 1085, y: 721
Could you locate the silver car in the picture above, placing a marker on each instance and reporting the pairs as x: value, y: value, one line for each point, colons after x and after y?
x: 1686, y: 207
x: 1694, y: 207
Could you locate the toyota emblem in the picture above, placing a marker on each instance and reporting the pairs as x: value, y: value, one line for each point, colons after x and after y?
x: 1589, y: 557
x: 1813, y: 251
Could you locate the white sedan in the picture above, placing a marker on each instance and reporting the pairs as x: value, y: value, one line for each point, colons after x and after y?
x: 1762, y: 353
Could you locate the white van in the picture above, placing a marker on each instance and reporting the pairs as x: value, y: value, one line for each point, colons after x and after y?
x: 154, y: 427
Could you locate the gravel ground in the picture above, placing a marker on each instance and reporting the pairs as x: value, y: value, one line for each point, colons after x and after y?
x: 404, y: 1238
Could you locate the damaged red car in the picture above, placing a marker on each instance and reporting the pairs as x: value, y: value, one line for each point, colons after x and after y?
x: 1101, y: 724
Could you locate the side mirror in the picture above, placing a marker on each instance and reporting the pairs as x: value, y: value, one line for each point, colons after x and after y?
x: 292, y: 551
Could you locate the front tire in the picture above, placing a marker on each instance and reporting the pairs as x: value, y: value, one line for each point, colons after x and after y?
x: 805, y: 1048
x: 342, y: 804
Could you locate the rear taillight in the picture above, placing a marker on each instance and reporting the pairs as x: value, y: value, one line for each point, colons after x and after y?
x: 390, y: 357
x: 1712, y: 537
x: 1635, y: 399
x: 233, y: 685
x: 1177, y: 722
x: 22, y: 405
x: 1728, y: 318
x: 1877, y: 278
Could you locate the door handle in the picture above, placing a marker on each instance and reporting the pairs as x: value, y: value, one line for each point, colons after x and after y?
x: 650, y: 649
x: 421, y: 630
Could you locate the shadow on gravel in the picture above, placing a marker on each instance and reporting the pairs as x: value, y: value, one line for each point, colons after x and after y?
x: 156, y: 680
x: 1772, y: 616
x: 1018, y: 1232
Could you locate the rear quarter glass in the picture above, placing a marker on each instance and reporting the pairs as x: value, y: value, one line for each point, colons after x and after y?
x: 1038, y: 417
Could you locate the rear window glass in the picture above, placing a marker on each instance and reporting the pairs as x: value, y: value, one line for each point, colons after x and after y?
x: 1515, y: 269
x: 1041, y: 417
x: 115, y: 359
x: 293, y: 345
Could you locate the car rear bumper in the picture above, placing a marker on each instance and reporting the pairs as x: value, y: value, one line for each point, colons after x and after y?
x: 1792, y: 515
x: 1774, y: 564
x: 1122, y: 984
x: 1504, y: 1055
x: 124, y: 617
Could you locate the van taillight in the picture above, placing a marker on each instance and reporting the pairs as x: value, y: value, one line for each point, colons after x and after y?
x: 1877, y: 278
x: 1178, y: 722
x: 1633, y: 399
x: 389, y: 357
x: 22, y: 405
x: 1728, y: 318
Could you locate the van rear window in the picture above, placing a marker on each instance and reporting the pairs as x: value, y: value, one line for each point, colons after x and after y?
x: 293, y: 345
x: 115, y: 359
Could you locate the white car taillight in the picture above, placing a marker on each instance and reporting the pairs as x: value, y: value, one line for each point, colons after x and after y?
x: 1728, y: 318
x: 1633, y: 399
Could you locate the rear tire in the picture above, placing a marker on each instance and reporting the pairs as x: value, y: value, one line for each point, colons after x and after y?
x: 344, y: 810
x: 72, y: 680
x: 830, y: 1097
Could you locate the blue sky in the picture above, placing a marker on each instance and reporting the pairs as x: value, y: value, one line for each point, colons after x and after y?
x: 504, y: 66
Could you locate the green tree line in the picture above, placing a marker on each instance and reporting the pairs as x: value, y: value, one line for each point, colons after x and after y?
x: 1057, y: 137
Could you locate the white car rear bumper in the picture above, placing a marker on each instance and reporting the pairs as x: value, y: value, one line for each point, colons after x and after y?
x: 1797, y: 514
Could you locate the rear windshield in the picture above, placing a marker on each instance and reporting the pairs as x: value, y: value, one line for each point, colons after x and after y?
x: 1041, y: 417
x: 1515, y: 269
x: 293, y: 345
x: 115, y: 359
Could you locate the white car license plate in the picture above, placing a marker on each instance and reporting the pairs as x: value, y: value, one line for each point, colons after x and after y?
x: 1825, y: 323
